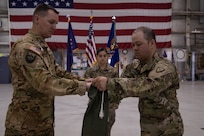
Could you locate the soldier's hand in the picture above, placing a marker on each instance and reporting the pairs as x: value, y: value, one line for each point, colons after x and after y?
x: 89, y: 80
x: 100, y: 83
x: 88, y: 84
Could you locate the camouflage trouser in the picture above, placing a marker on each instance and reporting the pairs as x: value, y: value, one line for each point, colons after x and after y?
x: 148, y: 134
x: 111, y: 116
x: 158, y: 126
x: 12, y: 132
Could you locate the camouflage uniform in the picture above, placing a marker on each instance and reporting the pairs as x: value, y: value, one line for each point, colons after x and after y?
x: 155, y: 84
x: 36, y: 80
x: 108, y: 72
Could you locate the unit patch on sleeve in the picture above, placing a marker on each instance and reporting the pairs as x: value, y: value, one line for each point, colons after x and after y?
x: 160, y: 69
x: 30, y: 57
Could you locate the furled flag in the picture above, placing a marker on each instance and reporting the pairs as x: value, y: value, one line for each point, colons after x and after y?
x: 112, y: 44
x: 93, y: 123
x: 91, y: 47
x: 172, y: 57
x: 156, y: 14
x: 71, y: 46
x: 164, y: 54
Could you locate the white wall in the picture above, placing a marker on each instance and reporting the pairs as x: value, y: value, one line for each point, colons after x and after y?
x: 3, y: 4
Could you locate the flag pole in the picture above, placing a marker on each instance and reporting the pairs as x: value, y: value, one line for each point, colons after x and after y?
x: 91, y: 16
x: 114, y: 21
x: 68, y: 48
x: 91, y: 13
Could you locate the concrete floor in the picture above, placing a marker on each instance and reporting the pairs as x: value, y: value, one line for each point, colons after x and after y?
x: 70, y: 110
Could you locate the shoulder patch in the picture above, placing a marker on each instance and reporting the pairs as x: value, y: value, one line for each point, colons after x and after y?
x: 135, y: 63
x: 160, y: 69
x: 34, y: 49
x: 31, y: 53
x: 30, y: 57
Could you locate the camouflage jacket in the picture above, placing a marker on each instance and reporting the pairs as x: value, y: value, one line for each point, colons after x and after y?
x: 155, y: 84
x: 97, y: 71
x: 109, y: 71
x: 36, y: 79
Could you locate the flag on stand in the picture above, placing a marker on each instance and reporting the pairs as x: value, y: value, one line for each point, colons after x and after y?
x: 91, y: 47
x: 164, y: 54
x: 172, y: 57
x: 112, y: 44
x: 71, y: 46
x: 156, y: 14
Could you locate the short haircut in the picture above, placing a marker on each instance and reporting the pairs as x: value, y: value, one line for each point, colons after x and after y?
x: 100, y: 50
x: 148, y: 33
x: 42, y: 9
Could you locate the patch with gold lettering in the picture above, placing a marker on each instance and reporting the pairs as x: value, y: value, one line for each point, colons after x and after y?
x: 160, y: 69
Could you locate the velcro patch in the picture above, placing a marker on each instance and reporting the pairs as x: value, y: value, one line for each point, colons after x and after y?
x: 30, y: 57
x: 36, y: 50
x: 160, y: 69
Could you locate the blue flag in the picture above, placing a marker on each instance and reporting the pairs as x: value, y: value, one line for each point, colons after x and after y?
x: 112, y: 45
x: 172, y: 57
x: 164, y: 54
x: 71, y: 46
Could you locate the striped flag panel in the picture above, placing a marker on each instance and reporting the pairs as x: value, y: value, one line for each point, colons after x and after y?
x: 130, y: 14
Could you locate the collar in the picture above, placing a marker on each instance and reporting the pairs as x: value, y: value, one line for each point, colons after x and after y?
x: 38, y: 39
x: 148, y: 66
x: 106, y: 68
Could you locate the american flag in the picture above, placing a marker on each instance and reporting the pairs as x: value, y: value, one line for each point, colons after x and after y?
x: 130, y: 14
x: 91, y: 46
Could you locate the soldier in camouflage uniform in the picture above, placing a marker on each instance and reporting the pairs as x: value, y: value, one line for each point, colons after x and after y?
x: 36, y: 79
x: 102, y: 68
x: 154, y: 80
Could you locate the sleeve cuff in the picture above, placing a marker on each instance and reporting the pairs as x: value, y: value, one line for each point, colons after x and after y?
x: 81, y: 90
x: 110, y: 84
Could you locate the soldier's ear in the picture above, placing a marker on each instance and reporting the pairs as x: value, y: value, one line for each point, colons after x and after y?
x: 152, y: 43
x: 36, y: 19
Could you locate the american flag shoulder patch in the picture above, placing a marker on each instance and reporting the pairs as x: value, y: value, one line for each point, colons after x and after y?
x: 34, y: 49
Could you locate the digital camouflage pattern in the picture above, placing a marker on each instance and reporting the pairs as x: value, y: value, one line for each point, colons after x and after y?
x: 155, y: 84
x: 111, y: 72
x: 36, y: 79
